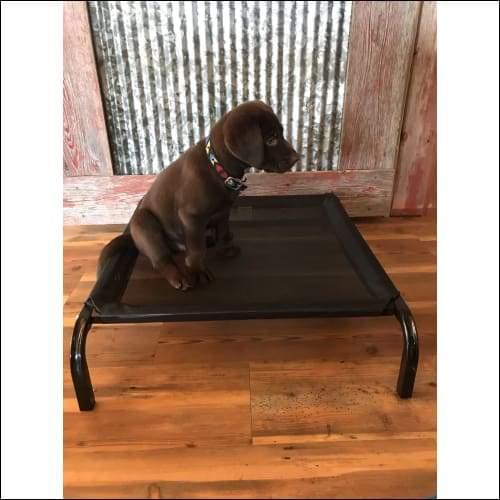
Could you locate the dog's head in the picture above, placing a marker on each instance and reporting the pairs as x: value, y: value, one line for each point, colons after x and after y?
x: 253, y: 134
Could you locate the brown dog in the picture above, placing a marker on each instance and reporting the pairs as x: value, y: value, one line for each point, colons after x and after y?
x: 196, y: 192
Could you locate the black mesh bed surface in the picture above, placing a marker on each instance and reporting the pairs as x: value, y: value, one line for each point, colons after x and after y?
x: 301, y: 256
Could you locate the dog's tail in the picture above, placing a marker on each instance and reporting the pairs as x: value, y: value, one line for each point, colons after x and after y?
x: 116, y: 246
x: 120, y: 245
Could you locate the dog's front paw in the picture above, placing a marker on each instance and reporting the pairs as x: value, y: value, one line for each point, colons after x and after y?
x: 198, y: 268
x: 176, y: 278
x: 186, y: 277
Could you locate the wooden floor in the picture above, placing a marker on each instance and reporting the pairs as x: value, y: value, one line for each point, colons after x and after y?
x: 256, y: 409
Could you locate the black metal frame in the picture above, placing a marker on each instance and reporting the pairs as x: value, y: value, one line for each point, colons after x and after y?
x: 78, y: 360
x: 101, y: 306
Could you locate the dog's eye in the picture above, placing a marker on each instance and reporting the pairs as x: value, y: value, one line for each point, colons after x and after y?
x: 272, y: 141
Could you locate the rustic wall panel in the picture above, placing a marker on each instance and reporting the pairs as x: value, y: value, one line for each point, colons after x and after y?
x: 414, y: 189
x: 170, y: 69
x: 112, y: 200
x: 85, y: 142
x: 380, y: 54
x: 378, y: 72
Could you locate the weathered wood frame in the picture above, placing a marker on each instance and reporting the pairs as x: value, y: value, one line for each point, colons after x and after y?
x: 415, y: 183
x: 86, y: 145
x: 382, y: 43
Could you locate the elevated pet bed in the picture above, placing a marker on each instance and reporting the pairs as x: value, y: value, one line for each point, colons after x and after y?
x: 301, y: 257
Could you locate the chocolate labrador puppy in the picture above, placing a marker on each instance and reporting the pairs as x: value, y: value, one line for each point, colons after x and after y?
x: 196, y: 192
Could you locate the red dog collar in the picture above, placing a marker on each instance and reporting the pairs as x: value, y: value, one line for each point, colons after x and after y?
x: 231, y: 183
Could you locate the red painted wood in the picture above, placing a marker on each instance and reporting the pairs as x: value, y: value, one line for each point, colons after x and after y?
x: 111, y: 200
x: 415, y: 186
x: 85, y: 140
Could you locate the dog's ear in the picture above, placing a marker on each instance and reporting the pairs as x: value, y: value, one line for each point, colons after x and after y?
x: 243, y: 138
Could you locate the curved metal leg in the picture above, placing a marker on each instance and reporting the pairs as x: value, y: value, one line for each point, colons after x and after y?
x: 78, y: 361
x: 409, y: 359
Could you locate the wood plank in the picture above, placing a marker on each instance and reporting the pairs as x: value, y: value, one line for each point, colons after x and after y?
x: 345, y: 463
x: 400, y: 228
x: 152, y: 404
x: 414, y: 189
x: 85, y: 146
x: 380, y: 48
x: 360, y: 484
x: 338, y: 397
x: 112, y: 200
x: 256, y: 409
x: 112, y: 345
x: 328, y: 437
x: 339, y: 340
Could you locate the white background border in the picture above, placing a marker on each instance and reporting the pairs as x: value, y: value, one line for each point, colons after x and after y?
x: 31, y: 187
x: 467, y: 204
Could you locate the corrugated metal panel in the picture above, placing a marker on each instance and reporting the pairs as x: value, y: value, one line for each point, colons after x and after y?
x: 170, y: 69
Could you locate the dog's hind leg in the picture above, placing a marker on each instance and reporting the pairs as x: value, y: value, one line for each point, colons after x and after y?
x: 150, y: 239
